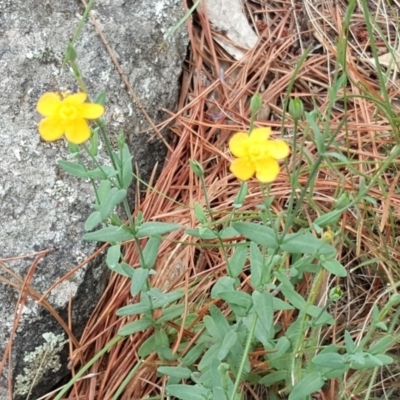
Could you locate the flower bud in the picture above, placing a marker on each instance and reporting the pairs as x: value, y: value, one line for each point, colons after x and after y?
x: 255, y: 103
x: 196, y: 168
x: 335, y: 294
x: 70, y: 53
x: 296, y: 108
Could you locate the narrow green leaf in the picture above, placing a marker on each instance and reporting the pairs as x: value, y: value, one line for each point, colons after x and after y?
x: 163, y: 299
x: 263, y: 306
x: 113, y: 256
x: 256, y: 265
x: 193, y: 354
x: 147, y: 347
x: 199, y: 213
x: 139, y: 279
x: 257, y: 233
x: 237, y: 261
x: 306, y: 243
x: 224, y: 284
x: 123, y: 269
x: 113, y: 198
x: 227, y: 343
x: 220, y: 320
x: 105, y: 172
x: 109, y: 234
x: 206, y: 233
x: 94, y: 143
x: 155, y: 229
x: 329, y: 360
x: 171, y: 313
x: 133, y: 309
x: 176, y: 372
x: 338, y: 156
x: 273, y: 377
x: 334, y: 267
x: 351, y: 347
x: 311, y: 118
x: 136, y: 326
x: 382, y: 345
x: 308, y: 385
x: 73, y: 169
x: 93, y: 220
x: 150, y: 252
x: 103, y: 189
x: 126, y: 170
x: 280, y: 305
x: 188, y: 392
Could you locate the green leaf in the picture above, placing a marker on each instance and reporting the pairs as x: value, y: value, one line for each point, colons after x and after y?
x: 133, y: 309
x: 212, y: 328
x: 113, y: 198
x: 113, y: 256
x: 101, y: 98
x: 240, y: 302
x: 273, y: 377
x: 228, y: 233
x: 257, y: 233
x: 193, y: 354
x: 256, y: 265
x: 161, y: 338
x: 323, y: 317
x: 93, y: 220
x: 334, y: 267
x: 188, y: 392
x: 305, y: 243
x: 339, y: 156
x: 123, y: 269
x: 263, y: 306
x: 199, y: 213
x: 329, y: 360
x: 105, y: 172
x: 170, y: 313
x: 224, y: 284
x: 311, y: 118
x: 139, y: 280
x: 103, y: 189
x: 351, y: 347
x: 228, y: 342
x: 147, y: 347
x: 136, y: 326
x: 73, y: 169
x: 288, y: 291
x: 126, y: 174
x: 382, y: 345
x: 203, y: 233
x: 219, y: 319
x: 280, y: 305
x: 94, y: 143
x: 237, y: 261
x: 109, y: 234
x: 161, y: 299
x: 150, y: 252
x: 331, y: 218
x: 155, y: 229
x: 308, y: 385
x: 176, y: 372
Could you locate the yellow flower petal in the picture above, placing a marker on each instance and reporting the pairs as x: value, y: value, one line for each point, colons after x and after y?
x: 48, y: 104
x: 267, y: 170
x: 238, y: 144
x: 278, y: 149
x: 77, y: 98
x: 50, y: 129
x: 77, y: 131
x: 91, y: 111
x: 242, y: 168
x: 260, y: 134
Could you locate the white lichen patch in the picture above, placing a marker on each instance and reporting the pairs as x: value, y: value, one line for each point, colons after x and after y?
x: 41, y: 360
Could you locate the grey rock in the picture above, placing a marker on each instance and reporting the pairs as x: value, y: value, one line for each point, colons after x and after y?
x: 41, y: 207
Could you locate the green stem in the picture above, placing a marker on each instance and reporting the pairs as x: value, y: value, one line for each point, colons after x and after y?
x: 104, y: 350
x: 244, y: 358
x: 126, y: 380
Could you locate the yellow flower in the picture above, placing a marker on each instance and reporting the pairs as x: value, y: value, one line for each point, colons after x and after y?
x: 256, y: 154
x: 66, y: 116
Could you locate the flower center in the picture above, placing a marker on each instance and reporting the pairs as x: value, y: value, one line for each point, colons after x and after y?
x: 68, y: 112
x: 256, y: 153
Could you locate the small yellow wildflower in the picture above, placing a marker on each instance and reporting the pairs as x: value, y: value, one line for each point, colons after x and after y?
x: 256, y: 154
x: 66, y: 116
